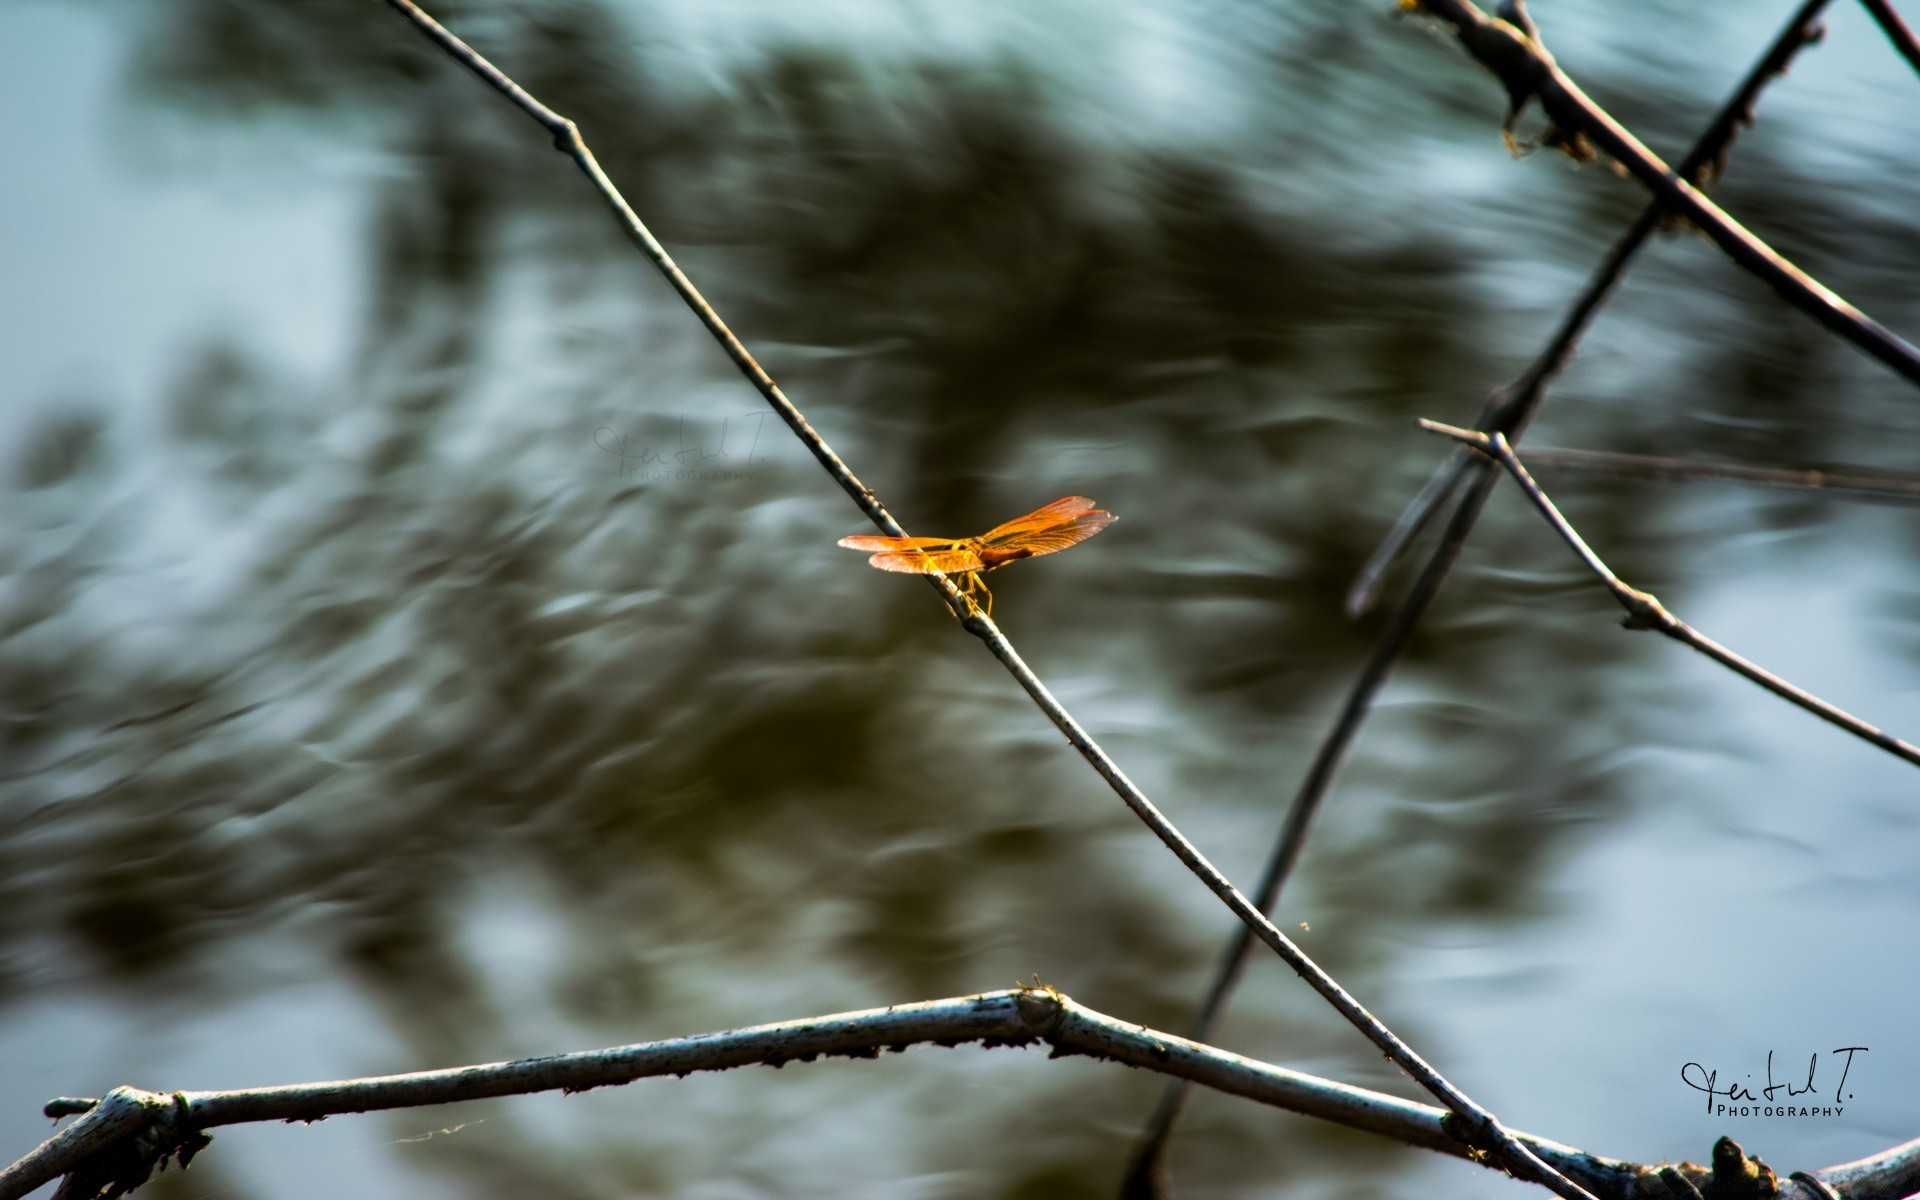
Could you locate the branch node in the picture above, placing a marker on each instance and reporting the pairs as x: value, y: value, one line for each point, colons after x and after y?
x: 122, y: 1165
x: 1480, y: 1137
x: 1042, y: 1008
x: 1644, y: 611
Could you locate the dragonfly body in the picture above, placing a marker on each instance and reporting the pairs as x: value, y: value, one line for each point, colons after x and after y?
x: 1066, y: 522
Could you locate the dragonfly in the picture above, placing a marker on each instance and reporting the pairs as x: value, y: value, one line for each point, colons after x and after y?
x: 1068, y: 521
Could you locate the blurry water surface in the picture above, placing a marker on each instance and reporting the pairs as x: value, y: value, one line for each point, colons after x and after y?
x: 417, y: 646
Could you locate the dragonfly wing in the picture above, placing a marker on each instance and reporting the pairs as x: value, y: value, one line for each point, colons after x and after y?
x: 1052, y: 539
x: 1066, y: 508
x: 949, y: 561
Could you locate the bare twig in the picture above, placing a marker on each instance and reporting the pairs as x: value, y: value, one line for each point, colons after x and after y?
x: 1655, y: 466
x: 1017, y: 1017
x: 1521, y: 61
x: 1898, y: 31
x: 1510, y: 409
x: 1478, y: 1125
x: 1644, y: 611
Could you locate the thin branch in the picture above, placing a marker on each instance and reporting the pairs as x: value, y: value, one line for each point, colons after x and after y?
x: 1519, y: 59
x: 1644, y: 611
x: 1898, y: 31
x: 1017, y: 1017
x: 1007, y: 1018
x: 1414, y: 517
x: 1479, y: 1125
x: 1511, y: 408
x: 1661, y: 467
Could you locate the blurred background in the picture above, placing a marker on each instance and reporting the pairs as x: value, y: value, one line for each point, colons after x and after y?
x: 417, y: 645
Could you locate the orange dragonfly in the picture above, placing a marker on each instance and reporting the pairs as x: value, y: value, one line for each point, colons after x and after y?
x: 1068, y: 521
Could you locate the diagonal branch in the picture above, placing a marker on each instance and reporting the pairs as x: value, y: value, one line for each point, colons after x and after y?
x: 1515, y: 54
x: 1898, y: 31
x: 1478, y: 1125
x: 1509, y: 409
x: 1644, y: 611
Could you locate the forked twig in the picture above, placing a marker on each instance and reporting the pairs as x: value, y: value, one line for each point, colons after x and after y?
x: 1510, y: 409
x: 1476, y: 1124
x: 1516, y: 55
x: 1644, y: 611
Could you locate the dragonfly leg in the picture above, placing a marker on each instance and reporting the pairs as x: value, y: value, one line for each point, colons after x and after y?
x: 978, y: 584
x: 970, y: 583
